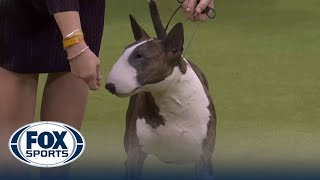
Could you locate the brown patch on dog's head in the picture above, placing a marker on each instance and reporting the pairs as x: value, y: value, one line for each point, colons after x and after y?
x: 156, y: 59
x: 146, y: 61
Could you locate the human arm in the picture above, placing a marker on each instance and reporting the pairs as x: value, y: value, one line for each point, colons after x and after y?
x: 86, y: 65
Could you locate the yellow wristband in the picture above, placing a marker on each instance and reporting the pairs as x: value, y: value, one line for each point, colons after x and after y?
x: 72, y: 41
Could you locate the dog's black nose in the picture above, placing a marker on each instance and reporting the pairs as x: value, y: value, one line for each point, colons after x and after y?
x: 111, y: 88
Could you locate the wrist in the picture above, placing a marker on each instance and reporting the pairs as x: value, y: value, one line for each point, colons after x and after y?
x: 76, y: 48
x: 73, y: 38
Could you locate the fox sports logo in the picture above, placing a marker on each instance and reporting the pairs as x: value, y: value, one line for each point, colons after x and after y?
x: 47, y: 144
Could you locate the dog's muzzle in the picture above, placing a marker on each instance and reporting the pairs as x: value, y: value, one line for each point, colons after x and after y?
x: 111, y: 88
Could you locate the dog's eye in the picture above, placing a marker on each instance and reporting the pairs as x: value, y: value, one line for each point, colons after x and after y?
x: 138, y: 56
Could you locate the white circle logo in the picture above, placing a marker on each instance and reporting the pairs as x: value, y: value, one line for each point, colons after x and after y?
x: 47, y: 144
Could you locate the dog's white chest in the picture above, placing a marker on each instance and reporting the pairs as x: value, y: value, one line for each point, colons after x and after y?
x: 173, y: 142
x: 186, y: 122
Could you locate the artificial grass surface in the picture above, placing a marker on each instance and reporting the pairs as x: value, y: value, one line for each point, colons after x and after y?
x: 261, y: 58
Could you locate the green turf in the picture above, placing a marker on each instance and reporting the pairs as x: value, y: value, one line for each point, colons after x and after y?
x: 261, y: 60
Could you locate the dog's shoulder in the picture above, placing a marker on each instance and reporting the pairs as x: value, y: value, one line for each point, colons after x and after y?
x: 200, y: 74
x: 143, y: 105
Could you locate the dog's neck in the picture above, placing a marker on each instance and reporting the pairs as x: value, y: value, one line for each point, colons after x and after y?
x: 180, y: 93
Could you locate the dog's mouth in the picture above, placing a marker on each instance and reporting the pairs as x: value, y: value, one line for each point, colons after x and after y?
x: 111, y: 87
x: 124, y: 95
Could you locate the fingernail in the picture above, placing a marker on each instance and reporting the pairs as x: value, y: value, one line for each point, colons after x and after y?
x: 188, y: 9
x: 198, y: 10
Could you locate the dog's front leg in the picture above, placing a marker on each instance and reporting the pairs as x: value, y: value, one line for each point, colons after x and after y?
x: 134, y: 164
x: 203, y: 168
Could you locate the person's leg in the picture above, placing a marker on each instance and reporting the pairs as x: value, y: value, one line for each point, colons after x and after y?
x: 18, y: 94
x: 64, y: 100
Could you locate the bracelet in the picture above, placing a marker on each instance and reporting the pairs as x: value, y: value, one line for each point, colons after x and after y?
x: 76, y: 32
x: 82, y: 51
x: 72, y: 41
x: 73, y: 38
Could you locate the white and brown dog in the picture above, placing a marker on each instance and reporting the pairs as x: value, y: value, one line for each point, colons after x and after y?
x: 170, y: 113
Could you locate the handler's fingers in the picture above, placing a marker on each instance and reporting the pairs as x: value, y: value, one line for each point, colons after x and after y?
x: 191, y: 17
x: 98, y: 71
x: 202, y: 17
x: 98, y: 76
x: 93, y: 83
x: 99, y: 81
x: 191, y: 6
x: 185, y: 5
x: 91, y: 80
x: 202, y: 6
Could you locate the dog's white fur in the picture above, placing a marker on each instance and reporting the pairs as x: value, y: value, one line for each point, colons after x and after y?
x: 184, y: 105
x: 123, y: 75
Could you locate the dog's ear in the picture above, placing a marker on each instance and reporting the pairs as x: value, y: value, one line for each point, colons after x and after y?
x: 156, y: 20
x: 138, y: 32
x: 173, y: 43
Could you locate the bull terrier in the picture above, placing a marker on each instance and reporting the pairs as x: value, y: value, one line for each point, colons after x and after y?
x: 170, y: 114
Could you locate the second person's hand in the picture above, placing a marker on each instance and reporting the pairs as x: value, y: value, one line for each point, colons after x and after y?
x: 193, y: 10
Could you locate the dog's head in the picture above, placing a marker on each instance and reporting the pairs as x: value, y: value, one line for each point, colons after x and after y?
x: 147, y: 62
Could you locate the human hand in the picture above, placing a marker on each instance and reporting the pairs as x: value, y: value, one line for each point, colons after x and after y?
x: 86, y: 66
x: 193, y: 10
